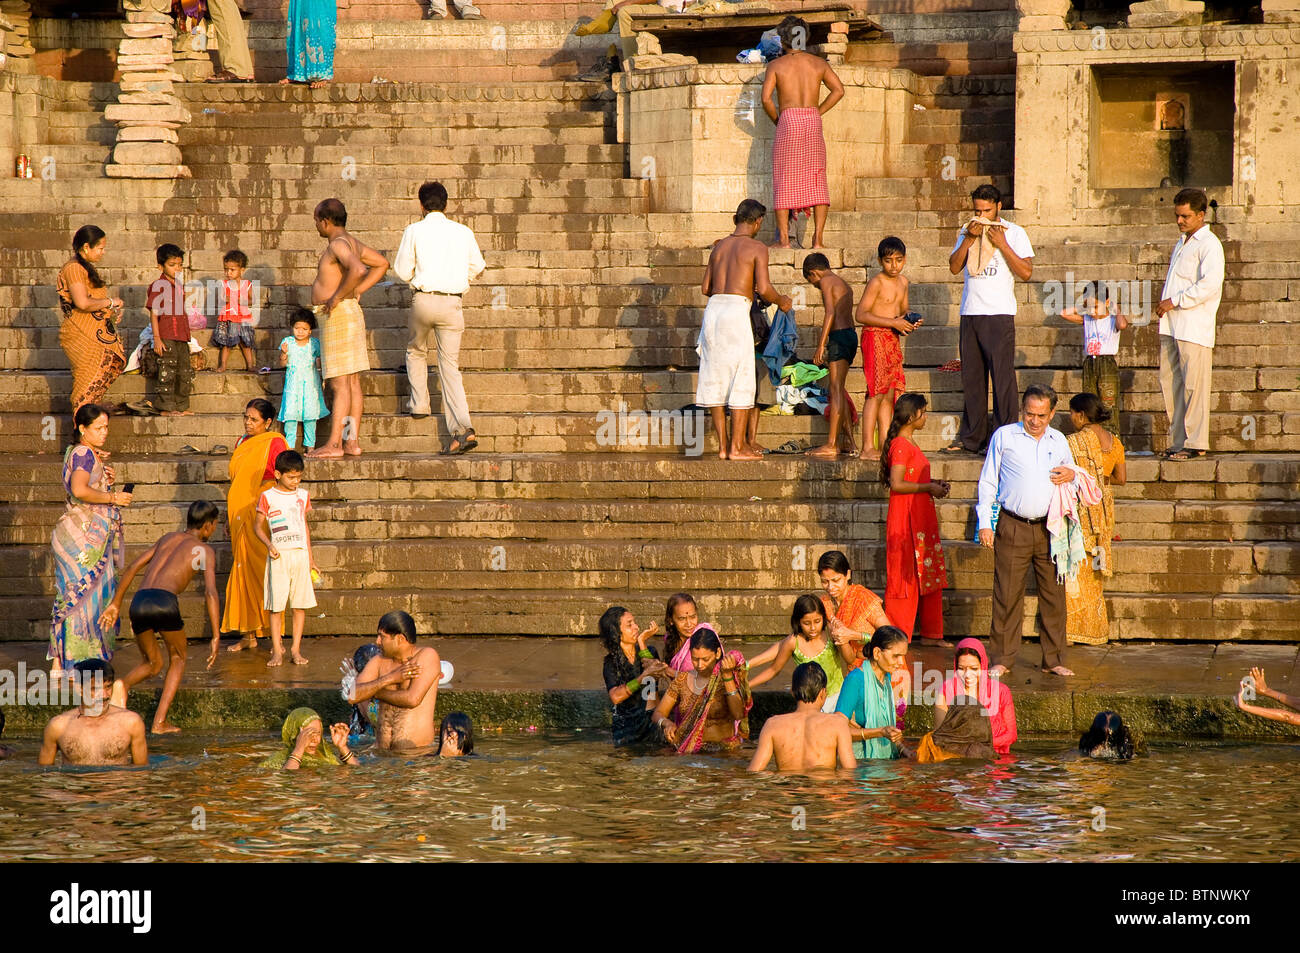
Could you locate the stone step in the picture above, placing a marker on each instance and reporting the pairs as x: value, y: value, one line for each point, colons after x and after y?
x: 1222, y: 617
x: 1138, y: 521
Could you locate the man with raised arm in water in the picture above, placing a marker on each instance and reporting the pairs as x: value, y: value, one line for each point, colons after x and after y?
x: 807, y: 738
x: 799, y: 149
x: 404, y: 677
x: 737, y: 270
x: 347, y: 269
x: 155, y: 610
x: 96, y: 732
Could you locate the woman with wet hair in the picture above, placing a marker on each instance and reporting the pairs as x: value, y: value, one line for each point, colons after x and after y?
x: 867, y: 697
x: 630, y: 670
x: 455, y: 736
x: 1108, y: 738
x: 708, y: 706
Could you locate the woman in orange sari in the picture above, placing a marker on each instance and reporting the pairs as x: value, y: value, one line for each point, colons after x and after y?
x: 1100, y: 453
x: 88, y: 334
x: 855, y: 613
x: 252, y: 470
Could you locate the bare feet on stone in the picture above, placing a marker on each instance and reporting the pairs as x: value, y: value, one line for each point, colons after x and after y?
x: 277, y: 659
x: 165, y: 728
x: 331, y: 451
x: 352, y: 448
x: 247, y: 642
x: 297, y: 659
x: 825, y: 452
x: 1060, y: 670
x: 998, y: 671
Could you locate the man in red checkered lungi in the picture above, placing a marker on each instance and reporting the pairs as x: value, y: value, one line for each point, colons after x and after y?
x: 799, y: 151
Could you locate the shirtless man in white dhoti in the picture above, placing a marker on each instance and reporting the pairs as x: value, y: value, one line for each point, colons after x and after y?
x: 737, y: 270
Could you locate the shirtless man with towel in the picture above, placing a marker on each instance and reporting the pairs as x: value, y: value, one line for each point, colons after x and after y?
x: 737, y: 270
x: 799, y: 150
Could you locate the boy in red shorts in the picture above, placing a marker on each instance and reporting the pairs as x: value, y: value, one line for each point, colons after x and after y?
x: 882, y: 314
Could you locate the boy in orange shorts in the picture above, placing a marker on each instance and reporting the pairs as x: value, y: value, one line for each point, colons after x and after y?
x: 882, y: 314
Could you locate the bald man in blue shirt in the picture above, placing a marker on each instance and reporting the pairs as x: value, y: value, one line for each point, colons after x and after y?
x: 1024, y: 462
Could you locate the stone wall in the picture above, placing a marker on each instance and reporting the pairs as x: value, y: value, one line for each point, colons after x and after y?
x: 698, y: 133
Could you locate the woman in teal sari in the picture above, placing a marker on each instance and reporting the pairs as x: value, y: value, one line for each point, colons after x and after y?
x: 311, y: 42
x: 867, y: 696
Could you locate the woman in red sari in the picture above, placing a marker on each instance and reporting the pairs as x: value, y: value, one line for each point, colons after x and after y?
x: 915, y: 572
x: 252, y: 470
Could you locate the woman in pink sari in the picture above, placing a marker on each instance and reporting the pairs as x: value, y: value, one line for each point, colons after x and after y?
x: 707, y: 706
x: 971, y: 678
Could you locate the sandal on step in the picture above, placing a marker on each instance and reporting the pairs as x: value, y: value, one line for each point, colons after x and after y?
x: 1187, y: 453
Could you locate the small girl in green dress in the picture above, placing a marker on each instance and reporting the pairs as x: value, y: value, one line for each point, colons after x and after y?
x: 809, y: 641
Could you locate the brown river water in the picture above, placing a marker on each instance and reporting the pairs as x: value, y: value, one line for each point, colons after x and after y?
x: 570, y: 796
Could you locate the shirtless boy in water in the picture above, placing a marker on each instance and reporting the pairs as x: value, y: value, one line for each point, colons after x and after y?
x: 346, y: 270
x: 96, y: 732
x: 156, y: 611
x: 836, y: 349
x: 405, y: 680
x: 807, y: 738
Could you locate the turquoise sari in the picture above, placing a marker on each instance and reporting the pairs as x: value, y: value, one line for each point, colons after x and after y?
x: 871, y: 705
x: 311, y: 40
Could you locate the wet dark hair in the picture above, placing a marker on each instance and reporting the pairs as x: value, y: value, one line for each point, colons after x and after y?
x: 1090, y: 406
x: 86, y: 415
x: 968, y: 651
x: 289, y: 461
x: 87, y: 668
x: 262, y: 406
x: 750, y: 210
x: 706, y: 638
x: 905, y: 408
x: 1194, y: 199
x: 398, y: 622
x: 834, y: 560
x: 200, y: 513
x: 987, y: 193
x: 890, y: 246
x: 332, y: 211
x: 433, y: 197
x: 673, y: 639
x: 457, y: 723
x: 808, y: 682
x: 1046, y: 391
x: 883, y: 638
x: 304, y: 315
x: 364, y: 654
x: 609, y: 629
x: 807, y: 605
x: 167, y: 251
x: 787, y: 30
x: 88, y: 235
x: 1108, y: 737
x: 235, y: 255
x: 815, y: 261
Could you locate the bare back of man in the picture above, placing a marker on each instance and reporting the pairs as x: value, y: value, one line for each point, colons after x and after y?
x: 837, y: 300
x: 406, y: 706
x: 795, y: 80
x: 805, y: 740
x: 114, y: 737
x: 734, y: 266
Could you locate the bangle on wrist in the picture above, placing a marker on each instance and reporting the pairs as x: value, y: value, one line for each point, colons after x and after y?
x: 633, y: 686
x: 644, y: 653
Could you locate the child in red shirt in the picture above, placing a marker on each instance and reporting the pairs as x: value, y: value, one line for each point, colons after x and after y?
x: 171, y: 333
x: 235, y: 324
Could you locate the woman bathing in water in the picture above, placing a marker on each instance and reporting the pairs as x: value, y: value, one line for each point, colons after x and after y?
x: 1245, y: 696
x: 708, y: 705
x: 456, y: 736
x: 302, y: 738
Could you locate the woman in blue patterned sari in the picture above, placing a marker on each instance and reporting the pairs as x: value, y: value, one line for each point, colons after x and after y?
x: 310, y: 43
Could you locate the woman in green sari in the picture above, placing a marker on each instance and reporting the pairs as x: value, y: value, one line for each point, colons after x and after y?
x: 303, y: 744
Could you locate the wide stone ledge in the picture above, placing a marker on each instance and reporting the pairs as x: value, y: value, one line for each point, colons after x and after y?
x: 1264, y: 41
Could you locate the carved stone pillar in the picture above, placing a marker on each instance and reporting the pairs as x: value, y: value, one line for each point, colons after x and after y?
x: 147, y: 111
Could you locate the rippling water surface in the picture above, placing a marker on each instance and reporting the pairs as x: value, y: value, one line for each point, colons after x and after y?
x: 572, y: 797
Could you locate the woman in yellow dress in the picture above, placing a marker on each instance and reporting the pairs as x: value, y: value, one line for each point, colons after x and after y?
x: 252, y: 470
x: 1100, y: 452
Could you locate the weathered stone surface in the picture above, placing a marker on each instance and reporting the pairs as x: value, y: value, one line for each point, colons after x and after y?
x: 146, y: 134
x: 143, y: 61
x: 146, y: 153
x: 147, y: 115
x: 152, y: 46
x: 159, y: 87
x: 1158, y: 13
x: 147, y: 171
x: 149, y: 29
x: 164, y: 99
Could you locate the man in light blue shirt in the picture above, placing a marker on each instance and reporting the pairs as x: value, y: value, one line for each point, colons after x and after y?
x: 1023, y: 463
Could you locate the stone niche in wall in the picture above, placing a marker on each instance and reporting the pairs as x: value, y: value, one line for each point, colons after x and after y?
x: 1162, y: 126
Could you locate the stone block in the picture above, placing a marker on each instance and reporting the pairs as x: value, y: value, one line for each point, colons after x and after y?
x: 150, y: 99
x: 145, y: 30
x: 1161, y: 13
x: 151, y: 46
x: 147, y: 171
x: 146, y: 134
x: 157, y: 87
x: 146, y: 153
x: 170, y: 116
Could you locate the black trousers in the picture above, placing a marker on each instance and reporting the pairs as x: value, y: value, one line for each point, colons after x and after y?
x: 988, y: 348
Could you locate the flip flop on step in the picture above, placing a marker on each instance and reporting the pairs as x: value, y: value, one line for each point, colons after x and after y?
x: 188, y: 449
x: 220, y: 450
x: 790, y: 446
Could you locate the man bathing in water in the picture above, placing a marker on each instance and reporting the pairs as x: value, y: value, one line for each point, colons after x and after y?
x: 96, y: 732
x: 737, y: 269
x: 405, y: 680
x: 346, y: 270
x: 799, y: 150
x: 155, y: 610
x: 807, y: 738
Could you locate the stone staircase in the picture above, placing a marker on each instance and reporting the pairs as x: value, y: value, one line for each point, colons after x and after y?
x: 591, y: 303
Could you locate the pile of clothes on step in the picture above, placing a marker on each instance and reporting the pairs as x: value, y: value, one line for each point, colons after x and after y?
x: 800, y: 387
x: 768, y: 49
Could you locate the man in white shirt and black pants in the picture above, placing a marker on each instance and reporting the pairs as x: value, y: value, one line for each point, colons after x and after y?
x: 1188, y: 308
x: 988, y: 317
x: 438, y: 258
x: 1026, y: 461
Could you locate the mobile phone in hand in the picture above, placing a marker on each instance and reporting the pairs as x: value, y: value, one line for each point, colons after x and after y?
x: 129, y: 488
x: 912, y: 317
